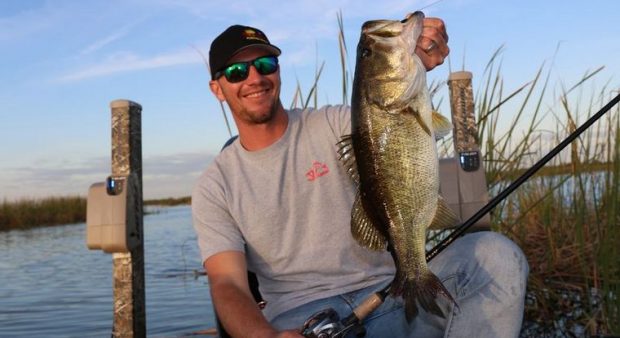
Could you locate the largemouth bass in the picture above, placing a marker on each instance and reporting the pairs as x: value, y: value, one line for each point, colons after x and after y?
x: 393, y: 138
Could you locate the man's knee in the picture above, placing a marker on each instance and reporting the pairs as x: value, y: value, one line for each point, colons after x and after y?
x: 502, y: 259
x: 502, y: 251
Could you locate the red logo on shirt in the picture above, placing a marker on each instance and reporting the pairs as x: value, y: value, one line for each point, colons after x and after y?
x: 318, y: 169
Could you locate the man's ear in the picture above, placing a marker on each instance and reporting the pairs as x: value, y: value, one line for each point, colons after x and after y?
x: 216, y: 90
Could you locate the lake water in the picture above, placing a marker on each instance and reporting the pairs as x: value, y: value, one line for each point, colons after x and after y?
x: 51, y: 285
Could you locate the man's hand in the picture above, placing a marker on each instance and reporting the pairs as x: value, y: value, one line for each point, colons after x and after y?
x: 432, y: 45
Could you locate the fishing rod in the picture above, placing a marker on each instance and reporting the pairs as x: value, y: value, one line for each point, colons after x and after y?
x: 327, y: 324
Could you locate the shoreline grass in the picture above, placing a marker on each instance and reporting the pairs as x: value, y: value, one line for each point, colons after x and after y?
x: 29, y: 213
x: 58, y: 210
x: 170, y: 201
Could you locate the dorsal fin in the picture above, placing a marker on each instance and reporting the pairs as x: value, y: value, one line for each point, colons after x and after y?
x: 347, y: 157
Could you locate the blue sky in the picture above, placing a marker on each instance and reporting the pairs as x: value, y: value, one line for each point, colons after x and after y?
x: 63, y: 61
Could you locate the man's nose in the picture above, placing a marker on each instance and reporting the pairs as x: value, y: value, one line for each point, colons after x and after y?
x: 254, y: 75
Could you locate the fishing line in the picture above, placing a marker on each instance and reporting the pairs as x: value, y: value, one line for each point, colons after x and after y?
x: 429, y: 5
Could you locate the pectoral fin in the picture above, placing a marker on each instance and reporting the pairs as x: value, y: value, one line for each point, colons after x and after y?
x: 441, y: 125
x: 444, y: 216
x: 418, y: 118
x: 363, y: 229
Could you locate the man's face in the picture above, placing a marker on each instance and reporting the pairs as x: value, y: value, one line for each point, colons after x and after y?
x: 254, y: 100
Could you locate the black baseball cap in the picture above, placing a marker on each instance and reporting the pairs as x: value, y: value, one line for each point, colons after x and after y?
x: 233, y: 40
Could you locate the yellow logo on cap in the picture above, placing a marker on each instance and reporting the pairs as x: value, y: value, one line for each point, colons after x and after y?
x: 251, y: 34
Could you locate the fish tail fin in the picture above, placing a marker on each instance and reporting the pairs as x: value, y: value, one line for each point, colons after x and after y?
x: 425, y: 292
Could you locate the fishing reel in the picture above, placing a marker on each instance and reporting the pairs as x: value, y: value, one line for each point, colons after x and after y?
x: 327, y: 324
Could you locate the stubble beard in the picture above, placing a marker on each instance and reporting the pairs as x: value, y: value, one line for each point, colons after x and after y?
x: 263, y: 118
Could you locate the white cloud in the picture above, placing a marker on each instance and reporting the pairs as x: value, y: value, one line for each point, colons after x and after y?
x: 130, y: 62
x: 295, y: 25
x: 97, y: 45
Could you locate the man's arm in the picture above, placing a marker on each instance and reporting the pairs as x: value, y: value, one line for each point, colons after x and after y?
x: 233, y: 301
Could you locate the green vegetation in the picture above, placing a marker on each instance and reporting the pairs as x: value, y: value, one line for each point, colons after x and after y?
x: 169, y: 202
x: 27, y: 213
x: 566, y: 217
x: 30, y: 213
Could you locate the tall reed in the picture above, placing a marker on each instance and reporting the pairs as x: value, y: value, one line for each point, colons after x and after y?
x: 564, y: 218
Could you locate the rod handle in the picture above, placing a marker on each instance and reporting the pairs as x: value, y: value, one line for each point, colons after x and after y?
x: 369, y: 305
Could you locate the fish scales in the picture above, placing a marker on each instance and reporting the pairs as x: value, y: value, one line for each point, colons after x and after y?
x: 395, y: 160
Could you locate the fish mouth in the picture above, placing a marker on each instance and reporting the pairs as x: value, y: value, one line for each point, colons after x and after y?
x: 417, y: 15
x: 393, y: 28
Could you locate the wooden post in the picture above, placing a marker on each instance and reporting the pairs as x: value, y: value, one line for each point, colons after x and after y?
x: 129, y: 308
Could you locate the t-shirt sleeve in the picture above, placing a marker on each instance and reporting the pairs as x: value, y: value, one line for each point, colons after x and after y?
x: 215, y: 228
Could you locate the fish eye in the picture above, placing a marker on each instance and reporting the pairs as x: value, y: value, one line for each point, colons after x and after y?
x: 365, y: 52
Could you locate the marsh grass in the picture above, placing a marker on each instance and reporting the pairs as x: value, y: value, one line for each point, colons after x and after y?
x: 28, y: 213
x: 170, y: 201
x: 566, y: 217
x: 31, y: 213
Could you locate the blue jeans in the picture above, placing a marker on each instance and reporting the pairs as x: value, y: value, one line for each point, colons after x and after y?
x: 485, y: 272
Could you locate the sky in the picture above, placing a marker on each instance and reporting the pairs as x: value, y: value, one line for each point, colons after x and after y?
x: 63, y: 61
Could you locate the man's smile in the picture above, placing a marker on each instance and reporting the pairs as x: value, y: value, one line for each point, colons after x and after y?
x: 256, y: 94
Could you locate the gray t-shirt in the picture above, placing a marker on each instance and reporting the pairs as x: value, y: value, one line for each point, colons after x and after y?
x: 288, y: 207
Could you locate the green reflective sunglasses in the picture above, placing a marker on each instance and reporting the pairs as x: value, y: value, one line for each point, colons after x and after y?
x: 239, y: 71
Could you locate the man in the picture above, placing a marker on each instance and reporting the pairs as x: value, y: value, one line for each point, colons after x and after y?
x: 277, y: 202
